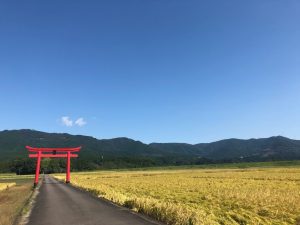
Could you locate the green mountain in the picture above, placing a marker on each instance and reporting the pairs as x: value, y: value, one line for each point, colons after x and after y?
x: 125, y: 152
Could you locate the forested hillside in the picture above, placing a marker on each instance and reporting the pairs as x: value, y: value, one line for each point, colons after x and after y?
x: 125, y: 152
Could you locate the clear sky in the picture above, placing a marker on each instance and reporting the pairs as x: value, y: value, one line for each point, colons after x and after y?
x: 152, y: 70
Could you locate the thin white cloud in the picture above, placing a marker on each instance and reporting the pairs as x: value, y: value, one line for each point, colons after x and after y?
x: 80, y: 122
x: 66, y: 121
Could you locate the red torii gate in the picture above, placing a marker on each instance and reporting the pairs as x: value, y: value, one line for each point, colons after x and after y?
x: 52, y: 153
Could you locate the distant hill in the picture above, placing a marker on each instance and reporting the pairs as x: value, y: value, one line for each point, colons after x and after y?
x: 262, y: 149
x: 125, y: 152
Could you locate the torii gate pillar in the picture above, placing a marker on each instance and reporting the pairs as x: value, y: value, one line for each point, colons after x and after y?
x: 68, y: 167
x: 52, y: 153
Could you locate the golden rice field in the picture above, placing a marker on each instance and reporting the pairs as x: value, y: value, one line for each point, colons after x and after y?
x: 14, y: 193
x: 5, y: 186
x: 202, y: 196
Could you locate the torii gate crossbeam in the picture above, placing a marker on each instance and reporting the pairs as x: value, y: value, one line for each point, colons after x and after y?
x: 40, y: 153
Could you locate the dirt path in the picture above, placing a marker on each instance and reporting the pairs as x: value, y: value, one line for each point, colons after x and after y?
x: 61, y: 204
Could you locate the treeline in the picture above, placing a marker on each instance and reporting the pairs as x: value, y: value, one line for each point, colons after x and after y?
x: 27, y: 166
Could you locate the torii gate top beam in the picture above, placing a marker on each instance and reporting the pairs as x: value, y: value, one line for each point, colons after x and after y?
x: 32, y: 149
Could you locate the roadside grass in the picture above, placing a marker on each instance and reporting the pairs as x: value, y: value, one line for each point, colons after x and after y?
x: 194, y: 196
x: 13, y: 196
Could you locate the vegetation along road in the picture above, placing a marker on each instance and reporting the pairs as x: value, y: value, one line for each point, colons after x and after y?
x: 61, y: 204
x: 15, y: 191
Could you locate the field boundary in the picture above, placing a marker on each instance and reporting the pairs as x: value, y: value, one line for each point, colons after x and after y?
x: 229, y: 165
x: 25, y: 211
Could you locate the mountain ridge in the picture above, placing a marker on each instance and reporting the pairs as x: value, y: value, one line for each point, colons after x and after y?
x: 125, y: 152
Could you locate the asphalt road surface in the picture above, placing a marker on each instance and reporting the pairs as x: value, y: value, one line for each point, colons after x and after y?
x: 61, y: 204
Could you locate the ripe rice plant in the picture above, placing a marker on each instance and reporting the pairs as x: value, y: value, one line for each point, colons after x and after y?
x: 14, y: 193
x: 4, y: 186
x: 208, y: 197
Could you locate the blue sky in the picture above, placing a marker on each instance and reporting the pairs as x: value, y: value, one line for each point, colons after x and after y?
x: 151, y: 70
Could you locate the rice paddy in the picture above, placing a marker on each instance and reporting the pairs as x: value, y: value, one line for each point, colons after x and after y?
x: 14, y: 192
x: 202, y: 196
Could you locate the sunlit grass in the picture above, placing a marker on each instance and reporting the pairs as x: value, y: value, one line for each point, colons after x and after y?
x: 15, y: 192
x: 195, y: 196
x: 6, y: 186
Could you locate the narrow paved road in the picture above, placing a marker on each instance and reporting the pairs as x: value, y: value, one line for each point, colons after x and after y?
x: 61, y: 204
